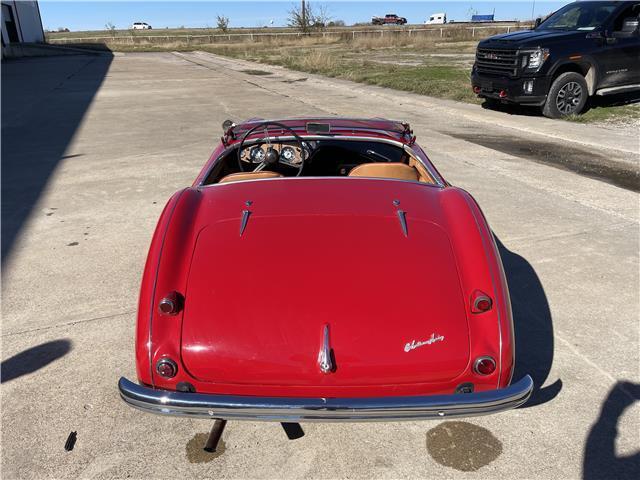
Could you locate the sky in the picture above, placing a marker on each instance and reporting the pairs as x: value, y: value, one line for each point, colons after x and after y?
x: 95, y: 14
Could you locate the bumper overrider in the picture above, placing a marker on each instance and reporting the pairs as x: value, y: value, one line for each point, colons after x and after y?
x: 293, y: 409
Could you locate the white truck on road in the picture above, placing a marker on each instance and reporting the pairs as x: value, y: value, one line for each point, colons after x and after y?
x: 436, y: 19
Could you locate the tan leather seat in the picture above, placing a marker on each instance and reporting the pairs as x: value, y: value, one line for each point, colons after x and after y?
x: 425, y: 176
x: 240, y: 176
x: 399, y: 171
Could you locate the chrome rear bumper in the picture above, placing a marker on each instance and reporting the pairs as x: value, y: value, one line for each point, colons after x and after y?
x: 281, y: 409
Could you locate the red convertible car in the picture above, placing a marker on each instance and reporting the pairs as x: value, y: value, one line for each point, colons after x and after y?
x: 321, y: 269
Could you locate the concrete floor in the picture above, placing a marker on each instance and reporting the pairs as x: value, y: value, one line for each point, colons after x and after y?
x: 92, y: 147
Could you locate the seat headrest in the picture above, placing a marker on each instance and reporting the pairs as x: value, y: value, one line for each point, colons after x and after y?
x: 399, y: 171
x: 240, y: 176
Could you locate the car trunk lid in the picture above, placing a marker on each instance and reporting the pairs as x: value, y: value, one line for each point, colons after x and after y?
x: 260, y: 296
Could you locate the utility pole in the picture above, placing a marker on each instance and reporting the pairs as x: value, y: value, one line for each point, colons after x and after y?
x: 533, y: 9
x: 304, y: 17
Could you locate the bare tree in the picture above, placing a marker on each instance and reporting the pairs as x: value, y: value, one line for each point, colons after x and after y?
x: 321, y: 17
x: 305, y: 17
x: 223, y: 22
x: 111, y: 28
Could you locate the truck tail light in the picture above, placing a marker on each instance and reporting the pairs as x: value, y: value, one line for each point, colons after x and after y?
x: 484, y: 366
x: 503, y: 94
x: 476, y: 89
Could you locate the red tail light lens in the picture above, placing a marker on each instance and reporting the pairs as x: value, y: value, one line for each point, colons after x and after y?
x: 480, y: 302
x: 484, y: 366
x: 166, y: 368
x: 476, y: 89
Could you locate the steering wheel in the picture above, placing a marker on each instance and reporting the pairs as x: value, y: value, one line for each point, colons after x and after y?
x: 271, y: 156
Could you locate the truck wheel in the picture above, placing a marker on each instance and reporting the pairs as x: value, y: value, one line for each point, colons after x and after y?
x: 567, y: 96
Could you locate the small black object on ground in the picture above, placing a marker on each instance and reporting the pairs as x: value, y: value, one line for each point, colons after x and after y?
x: 71, y: 441
x: 293, y: 430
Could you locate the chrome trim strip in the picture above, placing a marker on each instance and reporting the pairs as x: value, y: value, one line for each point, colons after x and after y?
x: 622, y: 88
x: 324, y: 356
x: 433, y: 173
x: 295, y: 409
x: 320, y: 119
x: 402, y: 216
x: 245, y: 219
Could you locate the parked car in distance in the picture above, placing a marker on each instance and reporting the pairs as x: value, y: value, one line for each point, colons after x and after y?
x: 583, y: 49
x: 321, y: 269
x: 140, y: 26
x: 389, y: 19
x: 437, y: 19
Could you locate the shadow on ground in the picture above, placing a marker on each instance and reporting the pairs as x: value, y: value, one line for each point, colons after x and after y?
x: 44, y: 100
x: 600, y: 459
x: 617, y: 100
x: 532, y: 324
x: 594, y: 103
x: 33, y: 359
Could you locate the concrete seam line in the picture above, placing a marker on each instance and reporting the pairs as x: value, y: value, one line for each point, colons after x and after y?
x: 67, y: 324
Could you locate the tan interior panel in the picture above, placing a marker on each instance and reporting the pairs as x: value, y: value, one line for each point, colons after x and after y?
x: 399, y: 171
x: 240, y: 176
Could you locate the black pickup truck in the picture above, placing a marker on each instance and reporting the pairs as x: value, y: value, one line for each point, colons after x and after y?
x: 586, y: 48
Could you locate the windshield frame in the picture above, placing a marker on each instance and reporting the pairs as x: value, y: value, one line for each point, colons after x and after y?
x: 408, y: 149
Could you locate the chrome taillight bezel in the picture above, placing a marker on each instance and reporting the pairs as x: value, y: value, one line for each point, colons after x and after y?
x: 481, y: 359
x: 167, y: 361
x: 477, y: 299
x: 170, y: 304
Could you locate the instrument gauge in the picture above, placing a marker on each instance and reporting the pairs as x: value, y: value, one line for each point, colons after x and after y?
x: 288, y: 154
x: 256, y: 155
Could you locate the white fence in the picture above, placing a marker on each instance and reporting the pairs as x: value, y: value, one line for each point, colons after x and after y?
x: 214, y: 38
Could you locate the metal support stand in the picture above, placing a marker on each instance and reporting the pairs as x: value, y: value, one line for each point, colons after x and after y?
x: 214, y: 436
x: 293, y: 430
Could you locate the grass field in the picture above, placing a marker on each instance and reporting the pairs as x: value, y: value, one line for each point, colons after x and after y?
x: 424, y: 64
x: 426, y: 67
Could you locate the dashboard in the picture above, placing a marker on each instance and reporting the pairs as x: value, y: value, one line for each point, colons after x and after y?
x: 289, y: 153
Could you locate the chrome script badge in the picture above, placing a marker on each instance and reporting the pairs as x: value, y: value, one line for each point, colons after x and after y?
x: 415, y: 344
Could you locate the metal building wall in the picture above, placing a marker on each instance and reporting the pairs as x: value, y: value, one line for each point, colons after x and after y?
x: 26, y: 16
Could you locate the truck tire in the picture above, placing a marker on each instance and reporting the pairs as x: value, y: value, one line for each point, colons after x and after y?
x: 567, y: 96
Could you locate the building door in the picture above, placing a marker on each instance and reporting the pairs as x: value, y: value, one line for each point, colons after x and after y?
x: 10, y: 24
